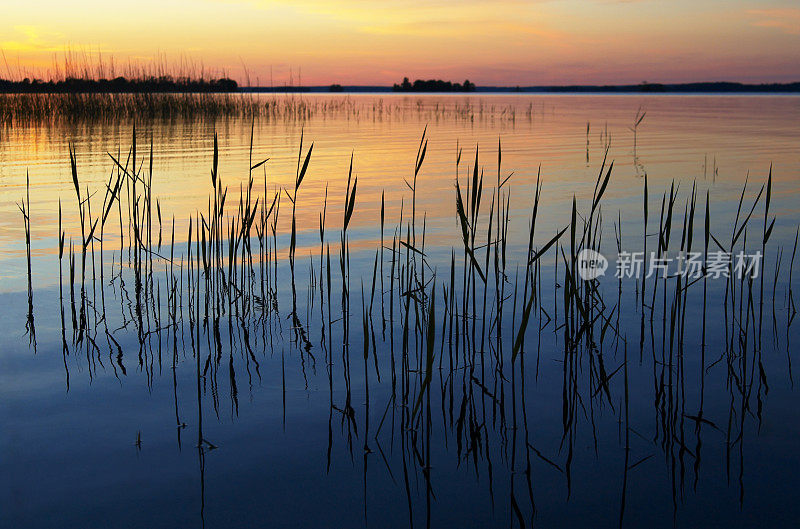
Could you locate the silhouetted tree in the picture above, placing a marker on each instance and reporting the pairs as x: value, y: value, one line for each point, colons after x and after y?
x: 432, y: 85
x: 164, y: 83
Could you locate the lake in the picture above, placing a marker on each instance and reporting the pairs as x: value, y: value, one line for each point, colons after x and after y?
x: 262, y: 332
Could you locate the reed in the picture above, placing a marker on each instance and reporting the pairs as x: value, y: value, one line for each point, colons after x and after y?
x: 212, y: 299
x: 25, y: 208
x: 18, y: 109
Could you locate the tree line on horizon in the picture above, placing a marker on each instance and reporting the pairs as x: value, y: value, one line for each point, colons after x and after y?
x: 185, y: 84
x: 433, y: 85
x: 164, y: 83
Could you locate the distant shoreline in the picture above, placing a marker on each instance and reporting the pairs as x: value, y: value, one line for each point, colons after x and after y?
x: 228, y: 86
x: 120, y: 85
x: 645, y: 88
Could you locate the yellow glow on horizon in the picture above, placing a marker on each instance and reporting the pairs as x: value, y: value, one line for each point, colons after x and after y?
x: 508, y: 42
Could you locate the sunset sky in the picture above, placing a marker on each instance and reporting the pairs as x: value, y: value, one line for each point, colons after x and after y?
x: 505, y: 42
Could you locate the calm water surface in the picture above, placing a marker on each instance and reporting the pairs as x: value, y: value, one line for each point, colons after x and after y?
x: 300, y: 431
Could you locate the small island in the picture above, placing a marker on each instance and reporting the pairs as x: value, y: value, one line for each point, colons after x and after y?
x: 432, y: 85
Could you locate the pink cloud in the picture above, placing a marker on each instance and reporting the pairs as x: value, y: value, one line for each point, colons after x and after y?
x: 786, y: 20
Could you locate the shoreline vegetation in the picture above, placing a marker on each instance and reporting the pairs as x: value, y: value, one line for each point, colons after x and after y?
x: 25, y: 108
x: 119, y: 85
x: 168, y: 84
x: 92, y: 96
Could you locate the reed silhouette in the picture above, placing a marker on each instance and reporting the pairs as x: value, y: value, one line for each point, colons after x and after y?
x: 446, y: 363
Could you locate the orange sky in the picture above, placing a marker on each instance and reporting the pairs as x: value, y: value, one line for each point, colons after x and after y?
x: 505, y: 42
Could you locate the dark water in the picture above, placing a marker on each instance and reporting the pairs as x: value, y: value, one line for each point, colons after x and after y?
x: 632, y: 419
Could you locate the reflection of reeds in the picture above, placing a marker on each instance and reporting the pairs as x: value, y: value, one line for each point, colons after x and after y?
x: 640, y: 114
x: 25, y: 208
x: 791, y: 266
x: 216, y: 301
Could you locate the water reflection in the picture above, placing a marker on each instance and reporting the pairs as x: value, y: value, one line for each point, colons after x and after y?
x: 428, y: 359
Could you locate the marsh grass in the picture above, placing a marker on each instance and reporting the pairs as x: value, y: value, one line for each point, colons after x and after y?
x: 222, y: 290
x: 30, y: 108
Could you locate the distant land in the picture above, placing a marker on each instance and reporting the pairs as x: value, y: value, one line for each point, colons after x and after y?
x: 168, y: 84
x: 666, y: 88
x: 161, y: 84
x: 433, y: 85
